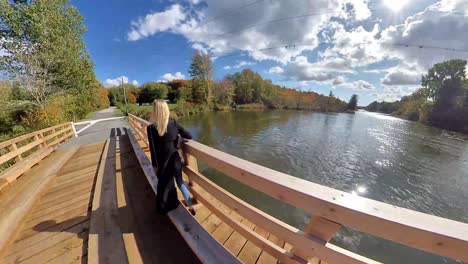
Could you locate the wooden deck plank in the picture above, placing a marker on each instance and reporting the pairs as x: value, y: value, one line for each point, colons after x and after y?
x: 235, y: 242
x: 59, y: 249
x: 105, y: 240
x: 62, y: 178
x: 51, y: 242
x: 32, y: 220
x: 40, y: 236
x: 71, y: 182
x: 202, y: 214
x: 42, y: 210
x: 53, y: 221
x: 250, y: 252
x: 126, y: 217
x: 223, y: 232
x: 265, y: 257
x: 74, y: 255
x: 65, y: 196
x: 211, y: 222
x: 18, y: 200
x: 80, y: 185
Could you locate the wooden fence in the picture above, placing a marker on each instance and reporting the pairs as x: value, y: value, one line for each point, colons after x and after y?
x: 330, y: 209
x: 19, y: 154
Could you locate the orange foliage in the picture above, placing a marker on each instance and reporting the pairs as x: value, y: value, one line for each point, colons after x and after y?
x: 131, y: 98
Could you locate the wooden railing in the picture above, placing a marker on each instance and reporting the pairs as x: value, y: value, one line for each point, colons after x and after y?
x: 21, y: 153
x: 330, y: 209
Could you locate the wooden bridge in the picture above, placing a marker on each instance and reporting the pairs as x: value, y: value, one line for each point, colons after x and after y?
x: 95, y: 204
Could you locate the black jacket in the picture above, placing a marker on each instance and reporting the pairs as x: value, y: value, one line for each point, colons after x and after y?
x: 166, y: 159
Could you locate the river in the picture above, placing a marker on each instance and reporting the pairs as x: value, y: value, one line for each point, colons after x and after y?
x: 376, y: 156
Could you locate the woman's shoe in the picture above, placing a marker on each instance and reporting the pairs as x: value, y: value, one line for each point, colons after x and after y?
x: 192, y: 211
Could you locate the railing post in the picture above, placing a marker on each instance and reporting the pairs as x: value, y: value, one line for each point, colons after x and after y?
x: 41, y: 137
x: 321, y: 228
x: 74, y: 129
x: 12, y: 148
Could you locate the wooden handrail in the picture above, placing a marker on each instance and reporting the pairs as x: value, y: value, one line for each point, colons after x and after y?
x: 330, y: 208
x: 35, y: 146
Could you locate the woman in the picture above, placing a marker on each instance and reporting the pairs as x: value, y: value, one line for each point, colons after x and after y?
x: 163, y: 137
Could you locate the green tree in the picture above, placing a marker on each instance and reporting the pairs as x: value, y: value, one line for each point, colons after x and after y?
x: 352, y: 105
x: 444, y: 81
x: 116, y: 93
x: 446, y: 85
x: 223, y: 92
x: 46, y: 51
x: 202, y: 76
x: 152, y: 91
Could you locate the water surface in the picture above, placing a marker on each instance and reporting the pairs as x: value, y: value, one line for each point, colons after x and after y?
x: 376, y: 156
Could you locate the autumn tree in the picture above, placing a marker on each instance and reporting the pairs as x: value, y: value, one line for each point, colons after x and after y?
x: 202, y: 76
x: 223, y: 92
x: 179, y: 90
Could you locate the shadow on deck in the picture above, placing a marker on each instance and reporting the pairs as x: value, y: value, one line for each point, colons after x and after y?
x: 99, y: 207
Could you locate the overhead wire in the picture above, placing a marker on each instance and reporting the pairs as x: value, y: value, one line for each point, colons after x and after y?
x: 231, y: 11
x: 359, y: 44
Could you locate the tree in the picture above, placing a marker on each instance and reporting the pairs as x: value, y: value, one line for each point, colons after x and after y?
x: 45, y: 47
x: 352, y: 105
x: 180, y: 90
x: 116, y: 93
x: 151, y: 91
x: 444, y: 81
x: 331, y: 94
x: 445, y: 84
x: 223, y: 92
x: 202, y: 76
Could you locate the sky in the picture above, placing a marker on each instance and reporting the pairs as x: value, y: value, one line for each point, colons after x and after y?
x: 377, y: 49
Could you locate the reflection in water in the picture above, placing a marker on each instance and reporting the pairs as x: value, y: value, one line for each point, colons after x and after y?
x: 371, y: 155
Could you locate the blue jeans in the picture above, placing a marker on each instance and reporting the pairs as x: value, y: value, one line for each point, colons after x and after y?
x: 185, y: 193
x: 183, y: 188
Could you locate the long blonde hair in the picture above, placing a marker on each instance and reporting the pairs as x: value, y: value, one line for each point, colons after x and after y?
x: 160, y: 116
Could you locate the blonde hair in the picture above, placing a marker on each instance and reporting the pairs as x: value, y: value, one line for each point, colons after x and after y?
x: 160, y: 116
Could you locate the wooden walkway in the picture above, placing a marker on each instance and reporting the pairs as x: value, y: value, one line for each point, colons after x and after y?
x: 63, y: 223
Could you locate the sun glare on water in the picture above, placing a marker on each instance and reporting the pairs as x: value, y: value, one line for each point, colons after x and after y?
x: 395, y: 5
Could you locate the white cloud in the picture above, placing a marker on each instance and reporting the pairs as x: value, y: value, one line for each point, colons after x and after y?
x: 300, y: 69
x: 436, y: 27
x: 200, y: 48
x: 227, y: 67
x: 354, y: 48
x: 242, y: 64
x: 393, y: 93
x: 276, y: 69
x: 402, y: 75
x: 156, y: 22
x: 236, y: 31
x: 170, y: 77
x: 357, y: 85
x: 118, y: 81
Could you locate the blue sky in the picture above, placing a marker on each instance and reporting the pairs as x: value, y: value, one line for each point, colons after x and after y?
x: 347, y: 46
